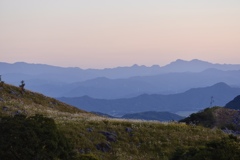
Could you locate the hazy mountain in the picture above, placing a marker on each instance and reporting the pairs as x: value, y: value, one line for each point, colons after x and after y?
x: 193, y: 99
x: 196, y: 65
x: 120, y: 82
x: 17, y: 71
x: 110, y: 88
x: 74, y: 74
x: 153, y: 115
x: 168, y: 83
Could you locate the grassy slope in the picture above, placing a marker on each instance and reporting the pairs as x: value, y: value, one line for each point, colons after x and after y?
x: 138, y: 140
x: 12, y: 101
x: 147, y: 140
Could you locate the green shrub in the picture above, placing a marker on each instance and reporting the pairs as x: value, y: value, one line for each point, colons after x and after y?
x: 204, y: 118
x: 35, y: 137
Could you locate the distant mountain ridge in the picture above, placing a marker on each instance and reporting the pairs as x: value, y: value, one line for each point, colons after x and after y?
x: 196, y: 65
x: 191, y: 100
x: 118, y: 72
x: 169, y: 83
x: 119, y: 82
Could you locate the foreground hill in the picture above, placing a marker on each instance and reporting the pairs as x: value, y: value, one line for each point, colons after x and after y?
x: 191, y: 100
x: 93, y: 137
x: 13, y: 101
x: 234, y: 104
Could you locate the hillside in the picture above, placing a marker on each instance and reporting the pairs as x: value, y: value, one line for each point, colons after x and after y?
x: 191, y: 100
x: 94, y: 137
x: 13, y: 101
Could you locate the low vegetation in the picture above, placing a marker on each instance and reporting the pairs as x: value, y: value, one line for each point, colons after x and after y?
x: 217, y: 117
x: 68, y: 133
x: 34, y: 137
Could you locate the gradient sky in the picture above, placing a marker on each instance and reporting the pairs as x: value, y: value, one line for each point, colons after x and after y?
x: 110, y: 33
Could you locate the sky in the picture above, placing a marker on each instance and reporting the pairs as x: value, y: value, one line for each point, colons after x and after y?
x: 110, y: 33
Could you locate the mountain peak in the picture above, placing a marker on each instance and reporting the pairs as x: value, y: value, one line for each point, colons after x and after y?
x: 191, y: 61
x: 194, y: 65
x: 221, y: 84
x: 178, y: 61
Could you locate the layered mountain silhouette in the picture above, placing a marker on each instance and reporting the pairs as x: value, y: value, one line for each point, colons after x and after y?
x: 120, y: 82
x: 105, y: 88
x: 191, y: 100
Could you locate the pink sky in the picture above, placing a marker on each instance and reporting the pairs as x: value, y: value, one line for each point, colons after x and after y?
x: 107, y: 33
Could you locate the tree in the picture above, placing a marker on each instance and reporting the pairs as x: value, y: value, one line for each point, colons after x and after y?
x: 22, y: 86
x: 1, y: 82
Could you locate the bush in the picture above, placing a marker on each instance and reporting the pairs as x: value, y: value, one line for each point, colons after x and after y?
x: 35, y: 137
x: 226, y: 148
x: 204, y: 118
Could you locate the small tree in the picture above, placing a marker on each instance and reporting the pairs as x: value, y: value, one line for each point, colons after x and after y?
x: 1, y: 82
x: 22, y: 86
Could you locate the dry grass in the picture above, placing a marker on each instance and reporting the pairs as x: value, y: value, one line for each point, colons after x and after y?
x: 146, y: 140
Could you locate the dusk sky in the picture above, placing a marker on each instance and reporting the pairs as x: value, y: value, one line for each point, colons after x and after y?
x: 110, y: 33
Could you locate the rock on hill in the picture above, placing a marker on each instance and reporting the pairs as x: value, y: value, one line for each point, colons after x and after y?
x: 234, y: 104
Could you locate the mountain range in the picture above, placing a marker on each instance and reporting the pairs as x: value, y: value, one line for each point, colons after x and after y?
x: 192, y: 100
x: 119, y: 82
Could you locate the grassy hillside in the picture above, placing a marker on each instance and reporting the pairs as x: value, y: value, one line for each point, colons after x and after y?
x: 13, y: 101
x: 95, y: 137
